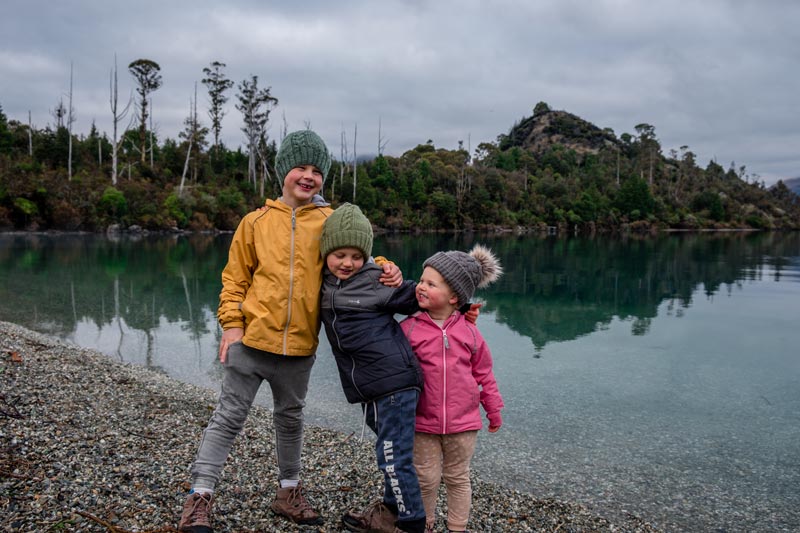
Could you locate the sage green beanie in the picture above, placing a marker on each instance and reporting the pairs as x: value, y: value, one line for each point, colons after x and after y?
x: 347, y: 227
x: 303, y: 147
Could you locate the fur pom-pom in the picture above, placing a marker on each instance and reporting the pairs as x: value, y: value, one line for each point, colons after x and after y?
x: 490, y: 266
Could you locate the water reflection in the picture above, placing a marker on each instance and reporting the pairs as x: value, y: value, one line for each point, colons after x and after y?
x: 557, y: 290
x: 133, y: 286
x: 666, y: 383
x: 553, y: 290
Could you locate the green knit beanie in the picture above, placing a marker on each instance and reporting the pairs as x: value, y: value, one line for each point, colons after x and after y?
x: 302, y: 147
x: 347, y: 227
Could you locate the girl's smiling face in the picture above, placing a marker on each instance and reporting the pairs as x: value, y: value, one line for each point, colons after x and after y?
x: 434, y: 294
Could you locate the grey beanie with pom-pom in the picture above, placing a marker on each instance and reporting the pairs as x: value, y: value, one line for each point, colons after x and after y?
x: 466, y: 272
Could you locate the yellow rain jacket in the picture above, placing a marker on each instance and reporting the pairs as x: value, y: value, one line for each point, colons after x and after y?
x: 271, y: 284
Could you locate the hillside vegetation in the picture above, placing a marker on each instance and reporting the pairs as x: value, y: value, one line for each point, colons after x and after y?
x: 552, y: 169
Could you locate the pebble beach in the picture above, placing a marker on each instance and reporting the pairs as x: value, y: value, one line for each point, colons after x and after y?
x: 91, y: 444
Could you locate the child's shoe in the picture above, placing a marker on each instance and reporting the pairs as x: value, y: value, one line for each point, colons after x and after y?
x: 291, y: 503
x: 377, y: 518
x: 196, y: 516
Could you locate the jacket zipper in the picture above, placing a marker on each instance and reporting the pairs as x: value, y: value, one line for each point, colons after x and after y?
x: 445, y: 347
x: 339, y: 342
x: 291, y: 285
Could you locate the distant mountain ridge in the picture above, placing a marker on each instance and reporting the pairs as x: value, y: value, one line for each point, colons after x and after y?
x: 548, y: 127
x: 793, y: 184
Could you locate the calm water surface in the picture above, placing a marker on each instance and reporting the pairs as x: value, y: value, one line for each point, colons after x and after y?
x: 655, y: 376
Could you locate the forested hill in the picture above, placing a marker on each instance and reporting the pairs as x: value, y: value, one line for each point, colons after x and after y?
x: 551, y: 169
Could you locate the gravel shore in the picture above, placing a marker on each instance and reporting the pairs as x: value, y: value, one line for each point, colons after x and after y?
x: 89, y: 444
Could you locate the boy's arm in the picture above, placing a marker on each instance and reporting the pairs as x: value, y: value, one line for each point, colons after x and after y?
x: 237, y: 277
x: 391, y: 277
x: 402, y: 300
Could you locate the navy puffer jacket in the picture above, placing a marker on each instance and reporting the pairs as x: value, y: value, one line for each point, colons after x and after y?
x: 372, y: 353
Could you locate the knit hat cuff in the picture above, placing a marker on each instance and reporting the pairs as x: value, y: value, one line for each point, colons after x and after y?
x: 302, y: 148
x: 454, y: 273
x: 346, y: 239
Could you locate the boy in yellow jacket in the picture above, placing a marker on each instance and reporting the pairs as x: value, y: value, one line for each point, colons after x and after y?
x: 269, y: 311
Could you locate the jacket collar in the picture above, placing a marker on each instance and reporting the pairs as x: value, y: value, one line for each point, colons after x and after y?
x: 423, y: 315
x: 316, y: 201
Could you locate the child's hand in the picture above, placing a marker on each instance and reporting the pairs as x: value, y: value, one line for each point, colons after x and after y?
x: 473, y: 313
x: 495, y: 421
x: 229, y: 336
x: 391, y: 277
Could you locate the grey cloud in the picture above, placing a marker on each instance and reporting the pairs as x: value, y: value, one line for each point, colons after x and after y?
x: 718, y: 76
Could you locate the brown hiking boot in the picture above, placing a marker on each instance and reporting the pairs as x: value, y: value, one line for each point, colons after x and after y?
x: 377, y: 518
x: 196, y: 516
x: 291, y: 503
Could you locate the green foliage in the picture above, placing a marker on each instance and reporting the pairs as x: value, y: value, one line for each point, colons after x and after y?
x: 6, y: 139
x: 178, y: 209
x: 709, y: 201
x: 444, y: 209
x: 551, y: 169
x: 757, y: 222
x: 634, y: 198
x: 590, y: 205
x: 113, y: 203
x: 26, y: 207
x: 540, y: 109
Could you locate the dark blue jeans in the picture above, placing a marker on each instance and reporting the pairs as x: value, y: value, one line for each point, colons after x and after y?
x: 393, y: 419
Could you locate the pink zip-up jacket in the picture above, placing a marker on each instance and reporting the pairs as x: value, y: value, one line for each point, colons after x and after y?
x: 457, y: 369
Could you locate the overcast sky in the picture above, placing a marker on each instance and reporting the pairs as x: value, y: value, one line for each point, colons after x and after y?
x: 719, y: 76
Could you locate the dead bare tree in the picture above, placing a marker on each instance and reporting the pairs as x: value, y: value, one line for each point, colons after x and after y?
x: 195, y: 134
x: 342, y: 161
x: 463, y: 181
x: 461, y: 190
x: 262, y: 149
x: 192, y: 118
x: 70, y: 121
x: 151, y: 133
x: 30, y: 135
x: 117, y: 117
x: 255, y: 105
x: 355, y: 161
x: 381, y: 142
x: 59, y: 113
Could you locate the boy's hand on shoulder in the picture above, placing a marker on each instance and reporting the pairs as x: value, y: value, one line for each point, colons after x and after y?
x: 495, y: 421
x: 392, y: 276
x: 473, y: 313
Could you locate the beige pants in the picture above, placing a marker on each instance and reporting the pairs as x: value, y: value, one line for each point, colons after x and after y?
x: 438, y: 457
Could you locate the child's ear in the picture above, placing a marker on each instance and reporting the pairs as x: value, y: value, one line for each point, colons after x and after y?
x: 454, y: 300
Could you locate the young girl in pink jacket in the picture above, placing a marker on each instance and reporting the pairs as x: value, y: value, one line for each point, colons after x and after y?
x: 457, y: 368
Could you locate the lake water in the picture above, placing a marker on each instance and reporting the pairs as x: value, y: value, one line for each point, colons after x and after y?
x: 656, y: 376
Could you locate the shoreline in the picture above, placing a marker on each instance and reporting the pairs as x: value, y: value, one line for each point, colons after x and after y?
x: 90, y: 444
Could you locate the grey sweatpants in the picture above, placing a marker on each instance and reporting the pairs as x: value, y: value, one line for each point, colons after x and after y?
x: 244, y: 370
